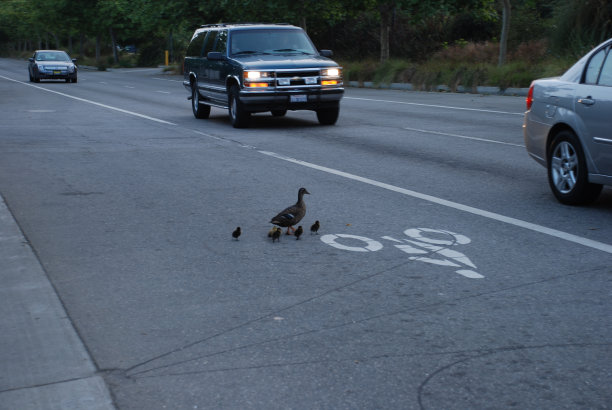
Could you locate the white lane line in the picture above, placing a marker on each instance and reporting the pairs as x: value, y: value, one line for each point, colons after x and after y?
x: 110, y: 107
x: 435, y: 106
x: 167, y: 79
x: 486, y: 214
x: 463, y: 136
x: 129, y: 70
x: 129, y: 86
x: 163, y: 92
x: 479, y: 212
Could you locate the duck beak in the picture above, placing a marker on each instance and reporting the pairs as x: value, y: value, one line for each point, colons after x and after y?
x: 306, y: 191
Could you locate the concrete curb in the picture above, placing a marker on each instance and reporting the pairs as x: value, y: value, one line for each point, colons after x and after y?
x: 442, y: 88
x: 44, y: 362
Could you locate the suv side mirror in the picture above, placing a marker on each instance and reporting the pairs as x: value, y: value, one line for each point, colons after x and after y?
x: 74, y: 60
x: 215, y: 56
x: 31, y: 59
x: 326, y: 53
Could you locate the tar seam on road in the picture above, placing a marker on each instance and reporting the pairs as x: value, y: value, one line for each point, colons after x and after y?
x: 140, y: 374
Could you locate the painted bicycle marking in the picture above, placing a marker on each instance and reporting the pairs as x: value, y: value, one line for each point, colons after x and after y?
x: 432, y: 246
x: 371, y: 244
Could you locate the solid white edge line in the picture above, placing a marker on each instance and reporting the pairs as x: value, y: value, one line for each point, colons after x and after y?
x: 434, y: 106
x: 92, y: 102
x: 479, y: 212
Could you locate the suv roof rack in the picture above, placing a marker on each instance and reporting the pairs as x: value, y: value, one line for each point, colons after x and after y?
x: 243, y: 24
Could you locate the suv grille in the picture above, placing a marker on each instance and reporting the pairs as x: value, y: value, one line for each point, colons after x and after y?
x: 293, y: 78
x: 285, y: 74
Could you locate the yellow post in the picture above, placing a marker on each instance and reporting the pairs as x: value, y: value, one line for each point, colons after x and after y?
x: 166, y: 52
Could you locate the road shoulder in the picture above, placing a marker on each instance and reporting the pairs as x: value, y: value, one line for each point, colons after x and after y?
x: 44, y: 362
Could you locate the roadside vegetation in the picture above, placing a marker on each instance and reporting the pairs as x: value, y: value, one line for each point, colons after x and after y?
x: 451, y: 42
x: 464, y: 66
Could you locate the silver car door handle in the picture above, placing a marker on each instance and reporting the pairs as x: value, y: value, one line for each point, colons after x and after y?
x: 587, y: 101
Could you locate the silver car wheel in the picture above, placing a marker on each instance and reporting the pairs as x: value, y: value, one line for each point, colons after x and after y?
x: 568, y: 174
x: 564, y: 167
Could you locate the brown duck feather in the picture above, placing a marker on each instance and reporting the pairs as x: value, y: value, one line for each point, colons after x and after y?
x: 292, y: 214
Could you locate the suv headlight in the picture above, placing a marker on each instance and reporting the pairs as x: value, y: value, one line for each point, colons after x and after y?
x: 254, y: 79
x: 71, y: 68
x: 331, y: 76
x: 256, y: 75
x: 331, y: 72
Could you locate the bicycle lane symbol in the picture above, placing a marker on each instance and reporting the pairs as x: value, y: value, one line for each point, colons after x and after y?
x: 432, y: 246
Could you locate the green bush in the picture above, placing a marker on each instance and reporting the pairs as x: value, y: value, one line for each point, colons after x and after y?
x: 464, y: 65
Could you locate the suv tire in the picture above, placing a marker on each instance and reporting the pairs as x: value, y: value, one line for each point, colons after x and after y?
x: 328, y: 116
x: 200, y: 111
x: 567, y: 171
x: 238, y: 116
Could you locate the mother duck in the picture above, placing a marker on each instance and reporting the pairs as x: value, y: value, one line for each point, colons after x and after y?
x: 293, y: 214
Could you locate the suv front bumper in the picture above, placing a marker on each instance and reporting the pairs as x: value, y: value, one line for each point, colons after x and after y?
x: 297, y: 99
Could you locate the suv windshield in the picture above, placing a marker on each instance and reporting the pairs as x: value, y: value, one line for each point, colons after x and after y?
x: 270, y: 41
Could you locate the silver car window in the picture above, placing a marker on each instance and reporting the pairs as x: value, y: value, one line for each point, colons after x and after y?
x: 605, y: 78
x: 592, y: 71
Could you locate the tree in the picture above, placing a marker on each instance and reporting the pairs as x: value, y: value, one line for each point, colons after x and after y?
x: 503, y: 42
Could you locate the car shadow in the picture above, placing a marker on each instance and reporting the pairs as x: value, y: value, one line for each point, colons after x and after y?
x: 604, y: 201
x: 50, y: 82
x: 268, y: 121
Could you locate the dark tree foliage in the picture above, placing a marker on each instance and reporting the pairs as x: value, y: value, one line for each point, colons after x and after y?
x: 354, y: 29
x: 579, y: 25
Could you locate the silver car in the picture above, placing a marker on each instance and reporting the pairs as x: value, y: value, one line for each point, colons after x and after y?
x: 568, y: 127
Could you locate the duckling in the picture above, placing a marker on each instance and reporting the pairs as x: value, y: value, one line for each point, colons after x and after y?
x: 314, y: 229
x: 276, y: 234
x: 236, y: 233
x: 298, y: 232
x: 271, y: 231
x: 292, y: 214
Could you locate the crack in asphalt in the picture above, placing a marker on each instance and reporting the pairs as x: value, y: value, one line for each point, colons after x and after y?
x: 132, y: 373
x: 274, y: 313
x: 480, y: 353
x: 474, y: 354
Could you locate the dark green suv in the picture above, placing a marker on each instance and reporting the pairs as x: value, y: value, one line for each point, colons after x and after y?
x: 250, y: 68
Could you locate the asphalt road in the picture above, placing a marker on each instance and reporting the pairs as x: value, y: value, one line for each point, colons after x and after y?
x: 444, y: 276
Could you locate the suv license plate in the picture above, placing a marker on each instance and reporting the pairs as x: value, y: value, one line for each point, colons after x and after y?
x: 297, y: 98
